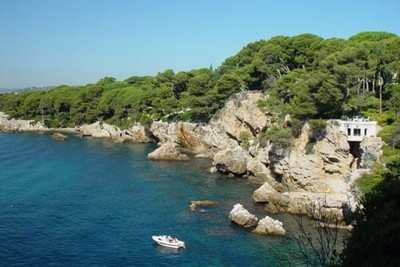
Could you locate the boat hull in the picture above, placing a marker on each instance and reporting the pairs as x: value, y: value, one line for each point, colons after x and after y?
x: 167, y: 241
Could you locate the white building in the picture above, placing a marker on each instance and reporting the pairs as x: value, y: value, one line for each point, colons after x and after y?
x: 357, y: 128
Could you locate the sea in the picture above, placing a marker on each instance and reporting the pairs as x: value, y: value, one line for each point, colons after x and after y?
x: 92, y: 202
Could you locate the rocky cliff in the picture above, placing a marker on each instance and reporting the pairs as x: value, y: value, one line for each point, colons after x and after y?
x: 12, y: 125
x: 298, y: 176
x: 292, y: 178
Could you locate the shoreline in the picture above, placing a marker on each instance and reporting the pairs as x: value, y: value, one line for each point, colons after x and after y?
x: 291, y: 179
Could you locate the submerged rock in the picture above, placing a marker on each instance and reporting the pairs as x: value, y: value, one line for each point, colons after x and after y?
x: 59, y: 137
x: 201, y: 203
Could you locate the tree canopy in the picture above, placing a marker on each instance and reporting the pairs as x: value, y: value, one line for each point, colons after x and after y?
x: 375, y: 239
x: 305, y: 76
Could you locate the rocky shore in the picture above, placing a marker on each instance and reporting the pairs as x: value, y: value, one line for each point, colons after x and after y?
x: 291, y: 179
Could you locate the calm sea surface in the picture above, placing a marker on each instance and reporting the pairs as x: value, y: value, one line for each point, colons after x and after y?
x: 91, y: 202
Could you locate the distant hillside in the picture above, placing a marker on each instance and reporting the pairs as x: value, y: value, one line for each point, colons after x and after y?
x: 4, y: 90
x: 43, y: 88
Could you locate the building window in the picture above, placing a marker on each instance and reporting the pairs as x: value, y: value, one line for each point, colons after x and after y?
x: 357, y: 132
x: 365, y: 131
x: 348, y: 131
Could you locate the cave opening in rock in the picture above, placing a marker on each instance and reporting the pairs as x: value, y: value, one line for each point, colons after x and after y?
x: 356, y: 151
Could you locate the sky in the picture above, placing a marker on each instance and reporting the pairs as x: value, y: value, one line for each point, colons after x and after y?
x: 76, y: 42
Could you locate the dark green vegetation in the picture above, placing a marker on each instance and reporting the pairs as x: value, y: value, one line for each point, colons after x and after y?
x: 306, y: 76
x: 375, y: 239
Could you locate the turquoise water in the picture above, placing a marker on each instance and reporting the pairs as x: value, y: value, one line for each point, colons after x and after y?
x: 91, y: 202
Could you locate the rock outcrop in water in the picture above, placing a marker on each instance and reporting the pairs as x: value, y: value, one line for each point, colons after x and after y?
x: 201, y: 203
x: 243, y: 217
x: 269, y: 226
x: 168, y: 151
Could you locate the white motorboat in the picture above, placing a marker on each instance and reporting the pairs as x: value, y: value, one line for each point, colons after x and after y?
x: 168, y: 241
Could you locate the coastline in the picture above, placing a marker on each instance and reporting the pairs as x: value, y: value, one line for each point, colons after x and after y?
x: 291, y: 179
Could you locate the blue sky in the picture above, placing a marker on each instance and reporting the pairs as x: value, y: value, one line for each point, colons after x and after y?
x: 75, y: 42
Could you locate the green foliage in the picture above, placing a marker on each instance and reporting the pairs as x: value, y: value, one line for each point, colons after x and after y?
x: 305, y: 76
x: 245, y: 137
x: 279, y: 136
x: 318, y: 127
x: 367, y: 182
x: 389, y: 152
x: 375, y: 239
x: 390, y: 134
x: 371, y: 36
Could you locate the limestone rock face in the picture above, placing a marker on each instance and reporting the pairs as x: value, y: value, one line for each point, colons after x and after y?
x: 258, y: 169
x: 12, y: 125
x: 232, y: 161
x: 196, y: 138
x: 136, y: 134
x: 240, y: 114
x: 100, y: 129
x: 320, y: 171
x: 167, y: 151
x: 269, y: 226
x: 263, y: 193
x: 242, y: 217
x: 303, y: 203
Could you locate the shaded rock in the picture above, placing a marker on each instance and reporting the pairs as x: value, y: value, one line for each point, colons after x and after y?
x: 167, y: 151
x: 258, y: 169
x: 59, y: 137
x: 242, y: 217
x: 269, y: 226
x: 232, y: 161
x: 371, y: 148
x: 201, y: 203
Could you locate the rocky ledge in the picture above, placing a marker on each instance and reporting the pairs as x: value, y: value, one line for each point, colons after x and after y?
x: 167, y: 151
x: 265, y: 226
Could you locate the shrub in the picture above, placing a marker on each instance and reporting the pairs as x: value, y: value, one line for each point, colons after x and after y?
x: 318, y: 128
x: 245, y: 137
x: 279, y: 136
x: 369, y: 181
